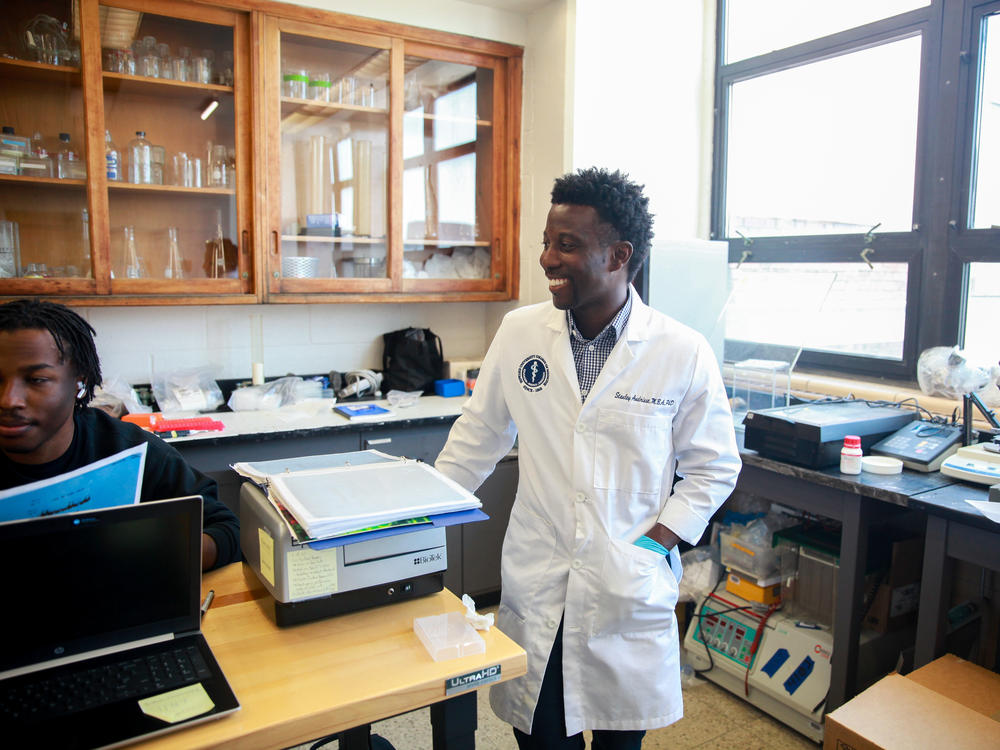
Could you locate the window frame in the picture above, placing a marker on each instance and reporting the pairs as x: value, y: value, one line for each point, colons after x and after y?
x: 940, y: 243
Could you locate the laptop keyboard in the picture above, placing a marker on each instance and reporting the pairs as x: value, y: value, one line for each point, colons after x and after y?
x: 90, y: 687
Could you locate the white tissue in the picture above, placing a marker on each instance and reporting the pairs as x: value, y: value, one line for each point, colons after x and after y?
x: 478, y: 621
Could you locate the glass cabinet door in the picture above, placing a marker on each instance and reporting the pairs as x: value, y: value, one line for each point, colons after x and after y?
x: 328, y: 159
x: 175, y: 143
x: 449, y: 171
x: 44, y: 214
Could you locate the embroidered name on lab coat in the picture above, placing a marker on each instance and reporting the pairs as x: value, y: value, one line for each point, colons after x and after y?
x: 533, y: 373
x: 644, y: 399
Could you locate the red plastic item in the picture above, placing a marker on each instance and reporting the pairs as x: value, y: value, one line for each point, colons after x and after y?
x: 187, y: 423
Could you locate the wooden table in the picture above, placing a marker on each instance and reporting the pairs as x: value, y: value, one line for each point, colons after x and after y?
x: 335, y: 675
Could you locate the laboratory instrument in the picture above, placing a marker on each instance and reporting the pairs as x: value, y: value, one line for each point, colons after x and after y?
x: 811, y: 434
x: 920, y: 445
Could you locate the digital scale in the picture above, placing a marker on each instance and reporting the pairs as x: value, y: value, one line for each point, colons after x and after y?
x: 978, y: 463
x: 789, y: 674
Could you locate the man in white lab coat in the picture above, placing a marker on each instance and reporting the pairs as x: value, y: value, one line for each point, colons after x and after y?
x: 609, y: 399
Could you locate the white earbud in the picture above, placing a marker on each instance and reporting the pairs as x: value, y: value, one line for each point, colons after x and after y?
x: 83, y: 389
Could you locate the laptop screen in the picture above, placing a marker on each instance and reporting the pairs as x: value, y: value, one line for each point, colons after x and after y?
x: 82, y: 581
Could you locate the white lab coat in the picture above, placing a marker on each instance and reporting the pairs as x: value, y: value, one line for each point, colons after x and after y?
x: 594, y: 477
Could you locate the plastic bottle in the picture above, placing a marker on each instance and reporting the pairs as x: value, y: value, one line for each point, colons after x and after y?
x: 140, y: 160
x: 113, y: 158
x: 850, y: 455
x: 68, y: 163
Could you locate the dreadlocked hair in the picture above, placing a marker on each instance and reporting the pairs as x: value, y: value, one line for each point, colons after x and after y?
x: 73, y: 335
x: 618, y: 201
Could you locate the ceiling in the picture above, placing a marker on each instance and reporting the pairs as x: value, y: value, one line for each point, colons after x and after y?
x: 513, y: 6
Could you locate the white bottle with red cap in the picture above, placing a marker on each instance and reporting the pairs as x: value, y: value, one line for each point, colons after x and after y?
x: 850, y: 455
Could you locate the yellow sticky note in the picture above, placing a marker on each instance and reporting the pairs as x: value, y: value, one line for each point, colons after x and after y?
x: 177, y: 705
x: 266, y: 544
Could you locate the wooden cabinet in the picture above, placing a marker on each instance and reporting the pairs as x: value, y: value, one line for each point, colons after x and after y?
x: 294, y: 155
x: 157, y: 205
x: 392, y: 166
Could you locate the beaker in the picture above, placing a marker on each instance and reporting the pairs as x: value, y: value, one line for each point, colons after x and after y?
x: 10, y: 250
x: 174, y: 269
x: 133, y: 263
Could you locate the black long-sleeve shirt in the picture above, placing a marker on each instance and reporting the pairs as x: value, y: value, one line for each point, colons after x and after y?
x: 166, y: 474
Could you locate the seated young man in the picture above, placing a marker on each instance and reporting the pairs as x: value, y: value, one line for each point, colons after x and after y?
x: 48, y: 371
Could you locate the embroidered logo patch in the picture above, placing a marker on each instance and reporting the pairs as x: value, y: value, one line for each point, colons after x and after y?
x: 533, y: 374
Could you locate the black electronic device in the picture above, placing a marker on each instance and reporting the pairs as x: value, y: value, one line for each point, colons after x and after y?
x: 920, y: 445
x: 812, y: 434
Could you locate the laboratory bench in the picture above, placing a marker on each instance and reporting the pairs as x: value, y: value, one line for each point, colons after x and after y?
x: 313, y: 428
x: 954, y: 530
x: 335, y: 676
x: 859, y: 502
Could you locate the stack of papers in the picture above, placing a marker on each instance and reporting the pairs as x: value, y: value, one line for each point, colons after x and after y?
x: 338, y: 495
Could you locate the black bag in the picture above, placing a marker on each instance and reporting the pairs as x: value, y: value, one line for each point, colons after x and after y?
x: 411, y: 360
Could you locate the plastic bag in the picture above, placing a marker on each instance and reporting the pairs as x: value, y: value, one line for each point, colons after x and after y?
x: 271, y: 395
x: 701, y: 573
x: 193, y: 389
x: 115, y: 391
x: 403, y: 398
x: 945, y: 371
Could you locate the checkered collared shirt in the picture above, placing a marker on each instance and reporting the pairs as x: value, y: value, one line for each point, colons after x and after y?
x: 590, y: 355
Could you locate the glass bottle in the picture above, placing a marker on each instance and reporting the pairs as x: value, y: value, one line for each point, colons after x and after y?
x: 133, y: 264
x: 85, y: 219
x: 217, y: 165
x: 10, y: 250
x: 163, y: 52
x: 41, y: 152
x: 218, y: 250
x: 159, y: 157
x: 112, y: 158
x: 70, y: 167
x: 174, y: 269
x: 181, y: 64
x: 150, y: 60
x: 140, y: 160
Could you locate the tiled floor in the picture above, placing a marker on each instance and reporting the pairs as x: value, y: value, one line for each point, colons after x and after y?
x: 714, y: 720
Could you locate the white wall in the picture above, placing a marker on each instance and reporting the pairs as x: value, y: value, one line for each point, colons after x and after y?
x: 642, y: 102
x: 298, y: 339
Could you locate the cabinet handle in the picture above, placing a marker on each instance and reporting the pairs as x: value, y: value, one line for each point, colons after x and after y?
x: 245, y: 247
x: 277, y: 243
x: 378, y: 441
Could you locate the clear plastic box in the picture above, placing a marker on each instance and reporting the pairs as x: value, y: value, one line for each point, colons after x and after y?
x: 448, y: 636
x: 755, y: 560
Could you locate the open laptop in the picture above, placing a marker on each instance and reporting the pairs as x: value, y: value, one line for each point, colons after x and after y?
x: 102, y: 643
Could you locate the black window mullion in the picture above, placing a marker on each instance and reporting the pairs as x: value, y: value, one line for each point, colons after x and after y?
x: 938, y: 314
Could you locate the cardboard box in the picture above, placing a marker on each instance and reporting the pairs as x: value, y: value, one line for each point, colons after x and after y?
x: 906, y: 561
x: 893, y: 608
x: 950, y: 703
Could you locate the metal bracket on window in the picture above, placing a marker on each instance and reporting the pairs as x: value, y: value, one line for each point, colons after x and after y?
x: 747, y: 242
x: 965, y: 56
x: 869, y: 241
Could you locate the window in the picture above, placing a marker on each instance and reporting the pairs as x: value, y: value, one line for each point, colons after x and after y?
x: 857, y: 178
